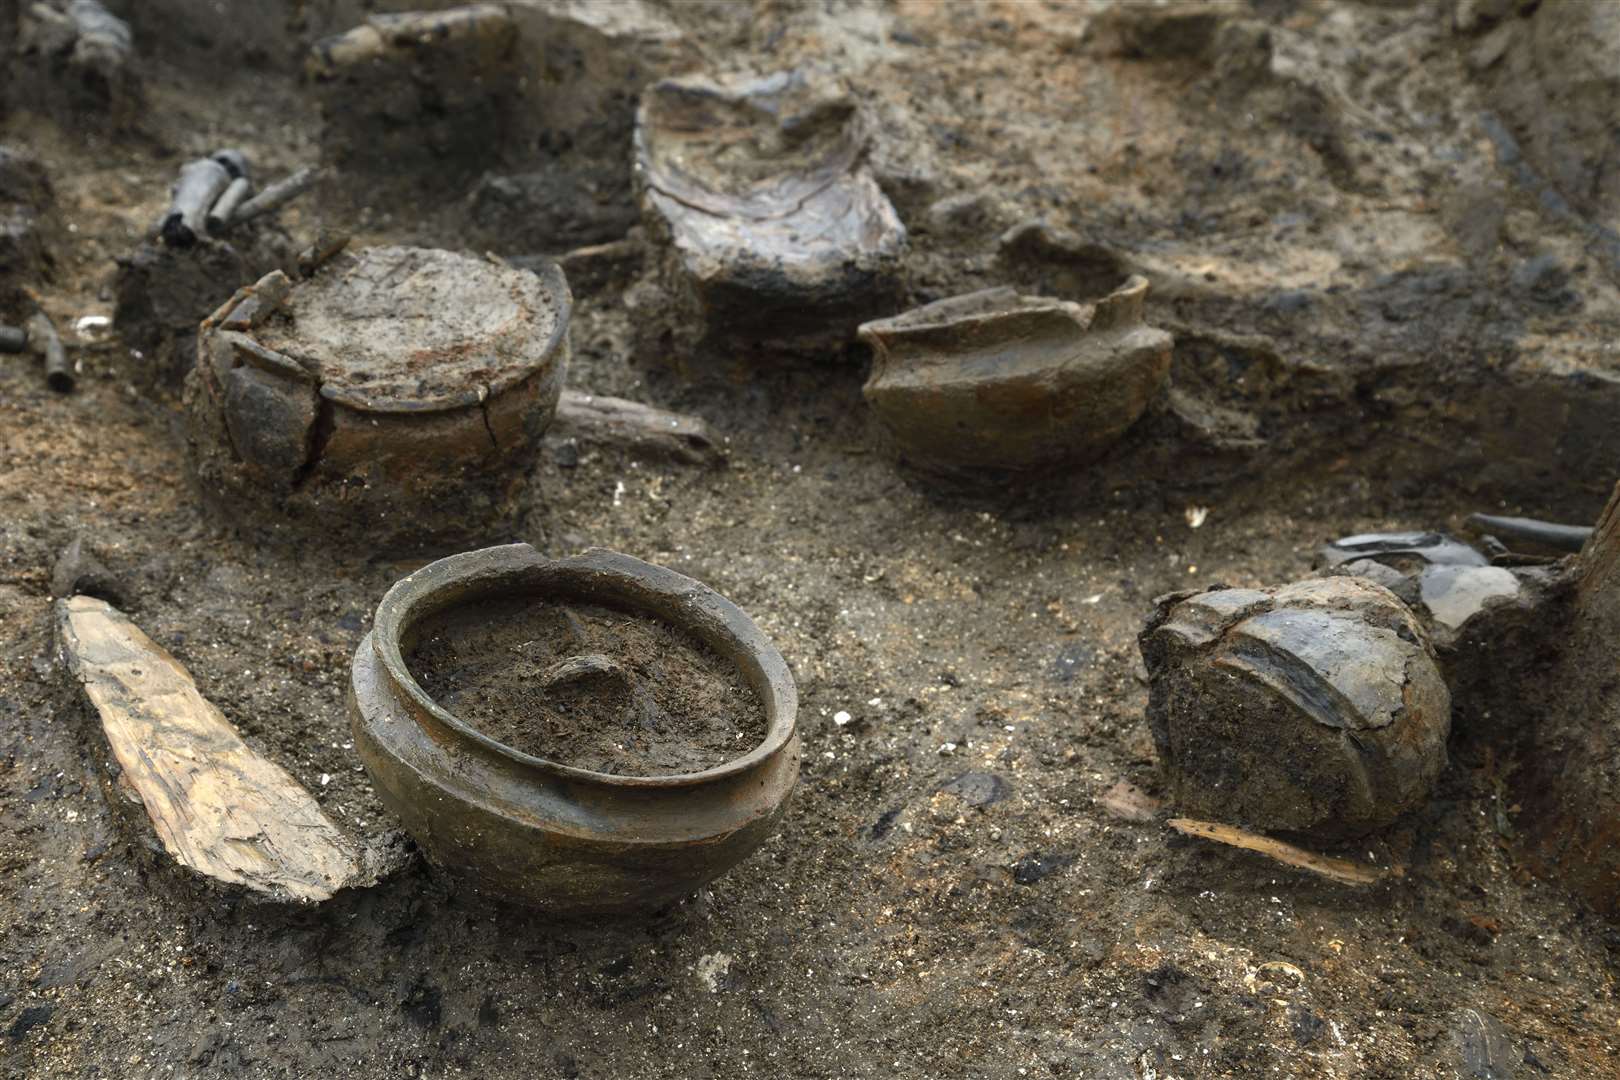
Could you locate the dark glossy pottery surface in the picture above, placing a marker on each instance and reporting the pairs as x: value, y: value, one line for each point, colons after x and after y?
x: 541, y: 833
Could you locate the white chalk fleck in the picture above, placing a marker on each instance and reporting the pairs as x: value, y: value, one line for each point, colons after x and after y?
x: 711, y: 968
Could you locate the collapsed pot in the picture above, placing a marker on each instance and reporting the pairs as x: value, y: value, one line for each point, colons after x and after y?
x: 398, y: 394
x: 567, y: 840
x: 773, y: 227
x: 1316, y: 707
x: 998, y: 381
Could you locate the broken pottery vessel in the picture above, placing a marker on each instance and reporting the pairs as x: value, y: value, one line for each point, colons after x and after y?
x: 1443, y: 579
x: 775, y: 228
x: 563, y: 839
x: 1315, y: 708
x: 1494, y: 628
x: 399, y: 394
x: 998, y: 381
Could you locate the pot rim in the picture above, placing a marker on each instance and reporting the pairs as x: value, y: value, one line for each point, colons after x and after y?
x: 399, y: 608
x: 553, y: 354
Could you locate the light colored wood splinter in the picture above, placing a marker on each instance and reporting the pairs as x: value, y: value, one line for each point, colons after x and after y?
x: 219, y: 808
x: 1344, y: 871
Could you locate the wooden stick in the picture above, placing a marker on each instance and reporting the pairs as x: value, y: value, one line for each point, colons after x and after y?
x: 1343, y: 871
x: 219, y: 808
x: 1530, y: 530
x: 227, y: 204
x: 630, y: 424
x: 42, y: 335
x: 278, y: 193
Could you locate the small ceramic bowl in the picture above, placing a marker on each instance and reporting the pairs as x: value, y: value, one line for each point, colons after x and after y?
x: 567, y: 840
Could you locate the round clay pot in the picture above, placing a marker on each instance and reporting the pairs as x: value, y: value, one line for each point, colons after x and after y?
x: 552, y: 836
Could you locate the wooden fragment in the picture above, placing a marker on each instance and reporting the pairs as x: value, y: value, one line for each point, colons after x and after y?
x: 634, y: 426
x: 1343, y: 871
x: 219, y: 808
x: 276, y: 195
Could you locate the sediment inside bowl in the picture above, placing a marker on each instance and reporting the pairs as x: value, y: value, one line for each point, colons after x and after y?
x: 597, y: 687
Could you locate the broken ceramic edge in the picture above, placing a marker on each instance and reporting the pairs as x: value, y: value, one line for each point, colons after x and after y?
x: 765, y: 96
x: 998, y: 381
x: 795, y: 243
x: 1450, y: 585
x: 441, y: 415
x: 1446, y: 595
x: 1430, y: 546
x: 541, y: 833
x: 1452, y: 595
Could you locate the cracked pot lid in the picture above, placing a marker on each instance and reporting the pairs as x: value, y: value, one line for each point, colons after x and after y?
x: 400, y: 329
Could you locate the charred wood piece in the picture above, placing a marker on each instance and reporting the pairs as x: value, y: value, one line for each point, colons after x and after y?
x: 277, y: 194
x: 201, y: 184
x: 42, y: 335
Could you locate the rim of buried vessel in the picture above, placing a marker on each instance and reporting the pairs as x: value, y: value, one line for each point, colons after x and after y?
x: 553, y: 283
x: 691, y: 603
x: 1119, y: 307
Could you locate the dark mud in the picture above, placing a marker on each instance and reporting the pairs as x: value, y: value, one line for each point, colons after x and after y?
x: 1381, y: 324
x: 588, y: 686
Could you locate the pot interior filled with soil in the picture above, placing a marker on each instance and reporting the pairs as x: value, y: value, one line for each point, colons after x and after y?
x: 583, y: 735
x: 596, y: 687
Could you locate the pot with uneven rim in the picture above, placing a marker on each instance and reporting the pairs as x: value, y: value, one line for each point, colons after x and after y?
x: 998, y: 382
x: 550, y: 835
x: 772, y: 225
x: 397, y: 395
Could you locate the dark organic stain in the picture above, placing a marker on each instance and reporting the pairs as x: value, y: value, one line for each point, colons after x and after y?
x: 30, y: 1018
x: 1305, y: 1025
x: 881, y: 827
x: 423, y: 1005
x: 1029, y: 870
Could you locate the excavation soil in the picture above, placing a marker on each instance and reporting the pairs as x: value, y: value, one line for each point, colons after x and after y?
x: 660, y: 704
x: 1353, y: 263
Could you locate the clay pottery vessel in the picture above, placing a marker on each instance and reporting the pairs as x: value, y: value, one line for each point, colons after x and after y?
x: 758, y: 191
x: 995, y: 381
x: 547, y: 835
x: 1315, y: 708
x: 396, y: 397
